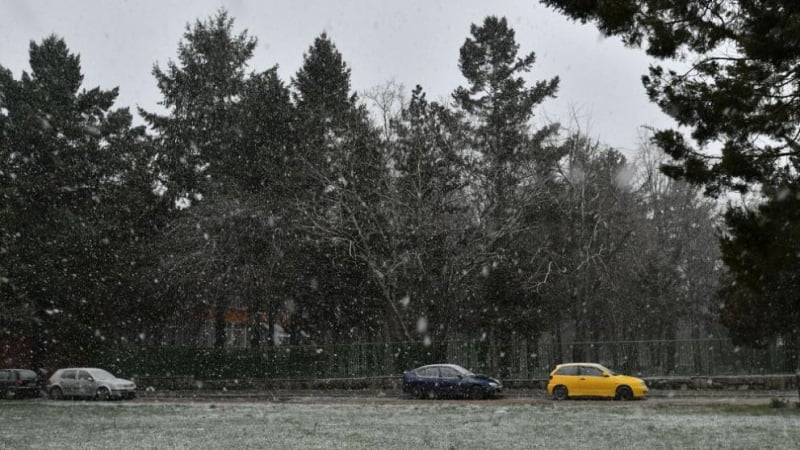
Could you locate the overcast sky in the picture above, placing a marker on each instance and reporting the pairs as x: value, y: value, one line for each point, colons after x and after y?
x: 410, y: 41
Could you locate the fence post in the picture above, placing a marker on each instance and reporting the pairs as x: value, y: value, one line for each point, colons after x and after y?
x: 797, y: 383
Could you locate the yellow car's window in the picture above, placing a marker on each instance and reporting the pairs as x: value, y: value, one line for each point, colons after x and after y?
x: 568, y: 370
x: 591, y: 371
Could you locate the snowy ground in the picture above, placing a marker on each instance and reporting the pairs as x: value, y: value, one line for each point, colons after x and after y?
x: 41, y: 424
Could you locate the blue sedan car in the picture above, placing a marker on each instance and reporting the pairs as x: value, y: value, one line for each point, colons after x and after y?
x: 449, y: 380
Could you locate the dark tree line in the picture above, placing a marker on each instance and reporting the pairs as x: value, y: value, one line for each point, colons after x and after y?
x: 737, y: 101
x: 288, y: 202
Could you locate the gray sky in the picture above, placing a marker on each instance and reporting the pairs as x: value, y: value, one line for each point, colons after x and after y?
x: 410, y: 41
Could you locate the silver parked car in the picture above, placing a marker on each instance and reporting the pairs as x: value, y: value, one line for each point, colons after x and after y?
x: 88, y: 383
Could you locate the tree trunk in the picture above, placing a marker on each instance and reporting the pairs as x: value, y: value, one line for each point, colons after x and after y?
x: 672, y: 350
x: 40, y: 337
x: 255, y: 330
x: 696, y: 355
x: 797, y: 367
x: 794, y: 354
x: 559, y: 354
x: 271, y: 323
x: 219, y: 326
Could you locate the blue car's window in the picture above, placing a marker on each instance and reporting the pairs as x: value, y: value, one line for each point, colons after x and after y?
x: 428, y: 372
x: 3, y: 375
x: 448, y: 372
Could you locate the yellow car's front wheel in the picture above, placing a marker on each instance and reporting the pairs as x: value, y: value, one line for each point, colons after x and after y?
x: 624, y: 393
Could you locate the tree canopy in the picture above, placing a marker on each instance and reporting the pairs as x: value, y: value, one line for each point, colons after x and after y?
x: 256, y: 211
x: 738, y: 100
x: 71, y: 170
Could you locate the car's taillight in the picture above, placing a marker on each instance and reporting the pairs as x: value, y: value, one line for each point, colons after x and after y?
x: 19, y: 382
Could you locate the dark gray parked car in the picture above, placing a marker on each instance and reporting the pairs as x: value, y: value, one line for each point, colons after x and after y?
x: 19, y: 383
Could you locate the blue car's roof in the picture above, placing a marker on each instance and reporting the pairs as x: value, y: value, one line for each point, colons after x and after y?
x: 452, y: 366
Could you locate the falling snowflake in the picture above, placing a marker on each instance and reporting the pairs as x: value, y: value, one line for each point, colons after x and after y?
x: 422, y: 325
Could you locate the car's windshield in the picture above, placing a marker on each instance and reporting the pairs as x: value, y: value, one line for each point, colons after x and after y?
x: 606, y: 369
x: 100, y: 374
x: 464, y: 372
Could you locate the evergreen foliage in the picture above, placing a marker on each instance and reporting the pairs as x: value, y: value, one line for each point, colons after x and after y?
x: 282, y: 209
x: 739, y: 100
x: 77, y: 206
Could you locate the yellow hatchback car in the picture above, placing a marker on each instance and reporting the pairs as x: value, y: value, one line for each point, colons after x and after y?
x: 593, y: 380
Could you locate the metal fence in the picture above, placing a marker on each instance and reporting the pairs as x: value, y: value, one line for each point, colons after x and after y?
x: 688, y: 357
x: 513, y: 358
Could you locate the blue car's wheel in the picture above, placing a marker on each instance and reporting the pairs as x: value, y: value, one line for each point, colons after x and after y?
x: 418, y: 392
x: 476, y: 393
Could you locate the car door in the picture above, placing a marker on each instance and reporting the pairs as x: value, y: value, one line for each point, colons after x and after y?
x: 86, y: 384
x: 450, y: 380
x: 69, y: 382
x: 607, y: 384
x: 592, y: 380
x: 429, y: 378
x: 568, y: 376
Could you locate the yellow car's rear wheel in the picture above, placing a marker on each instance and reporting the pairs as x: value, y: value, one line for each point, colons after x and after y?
x: 560, y: 393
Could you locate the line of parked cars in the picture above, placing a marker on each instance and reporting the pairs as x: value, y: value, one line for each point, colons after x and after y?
x: 571, y: 380
x: 78, y: 382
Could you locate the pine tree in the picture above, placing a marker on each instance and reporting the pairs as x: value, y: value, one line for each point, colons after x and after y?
x: 502, y: 108
x: 513, y: 158
x: 339, y: 144
x: 266, y: 159
x: 200, y: 138
x: 68, y: 165
x: 345, y: 179
x: 226, y: 151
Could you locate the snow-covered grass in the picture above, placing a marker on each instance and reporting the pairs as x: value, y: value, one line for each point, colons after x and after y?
x: 448, y: 425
